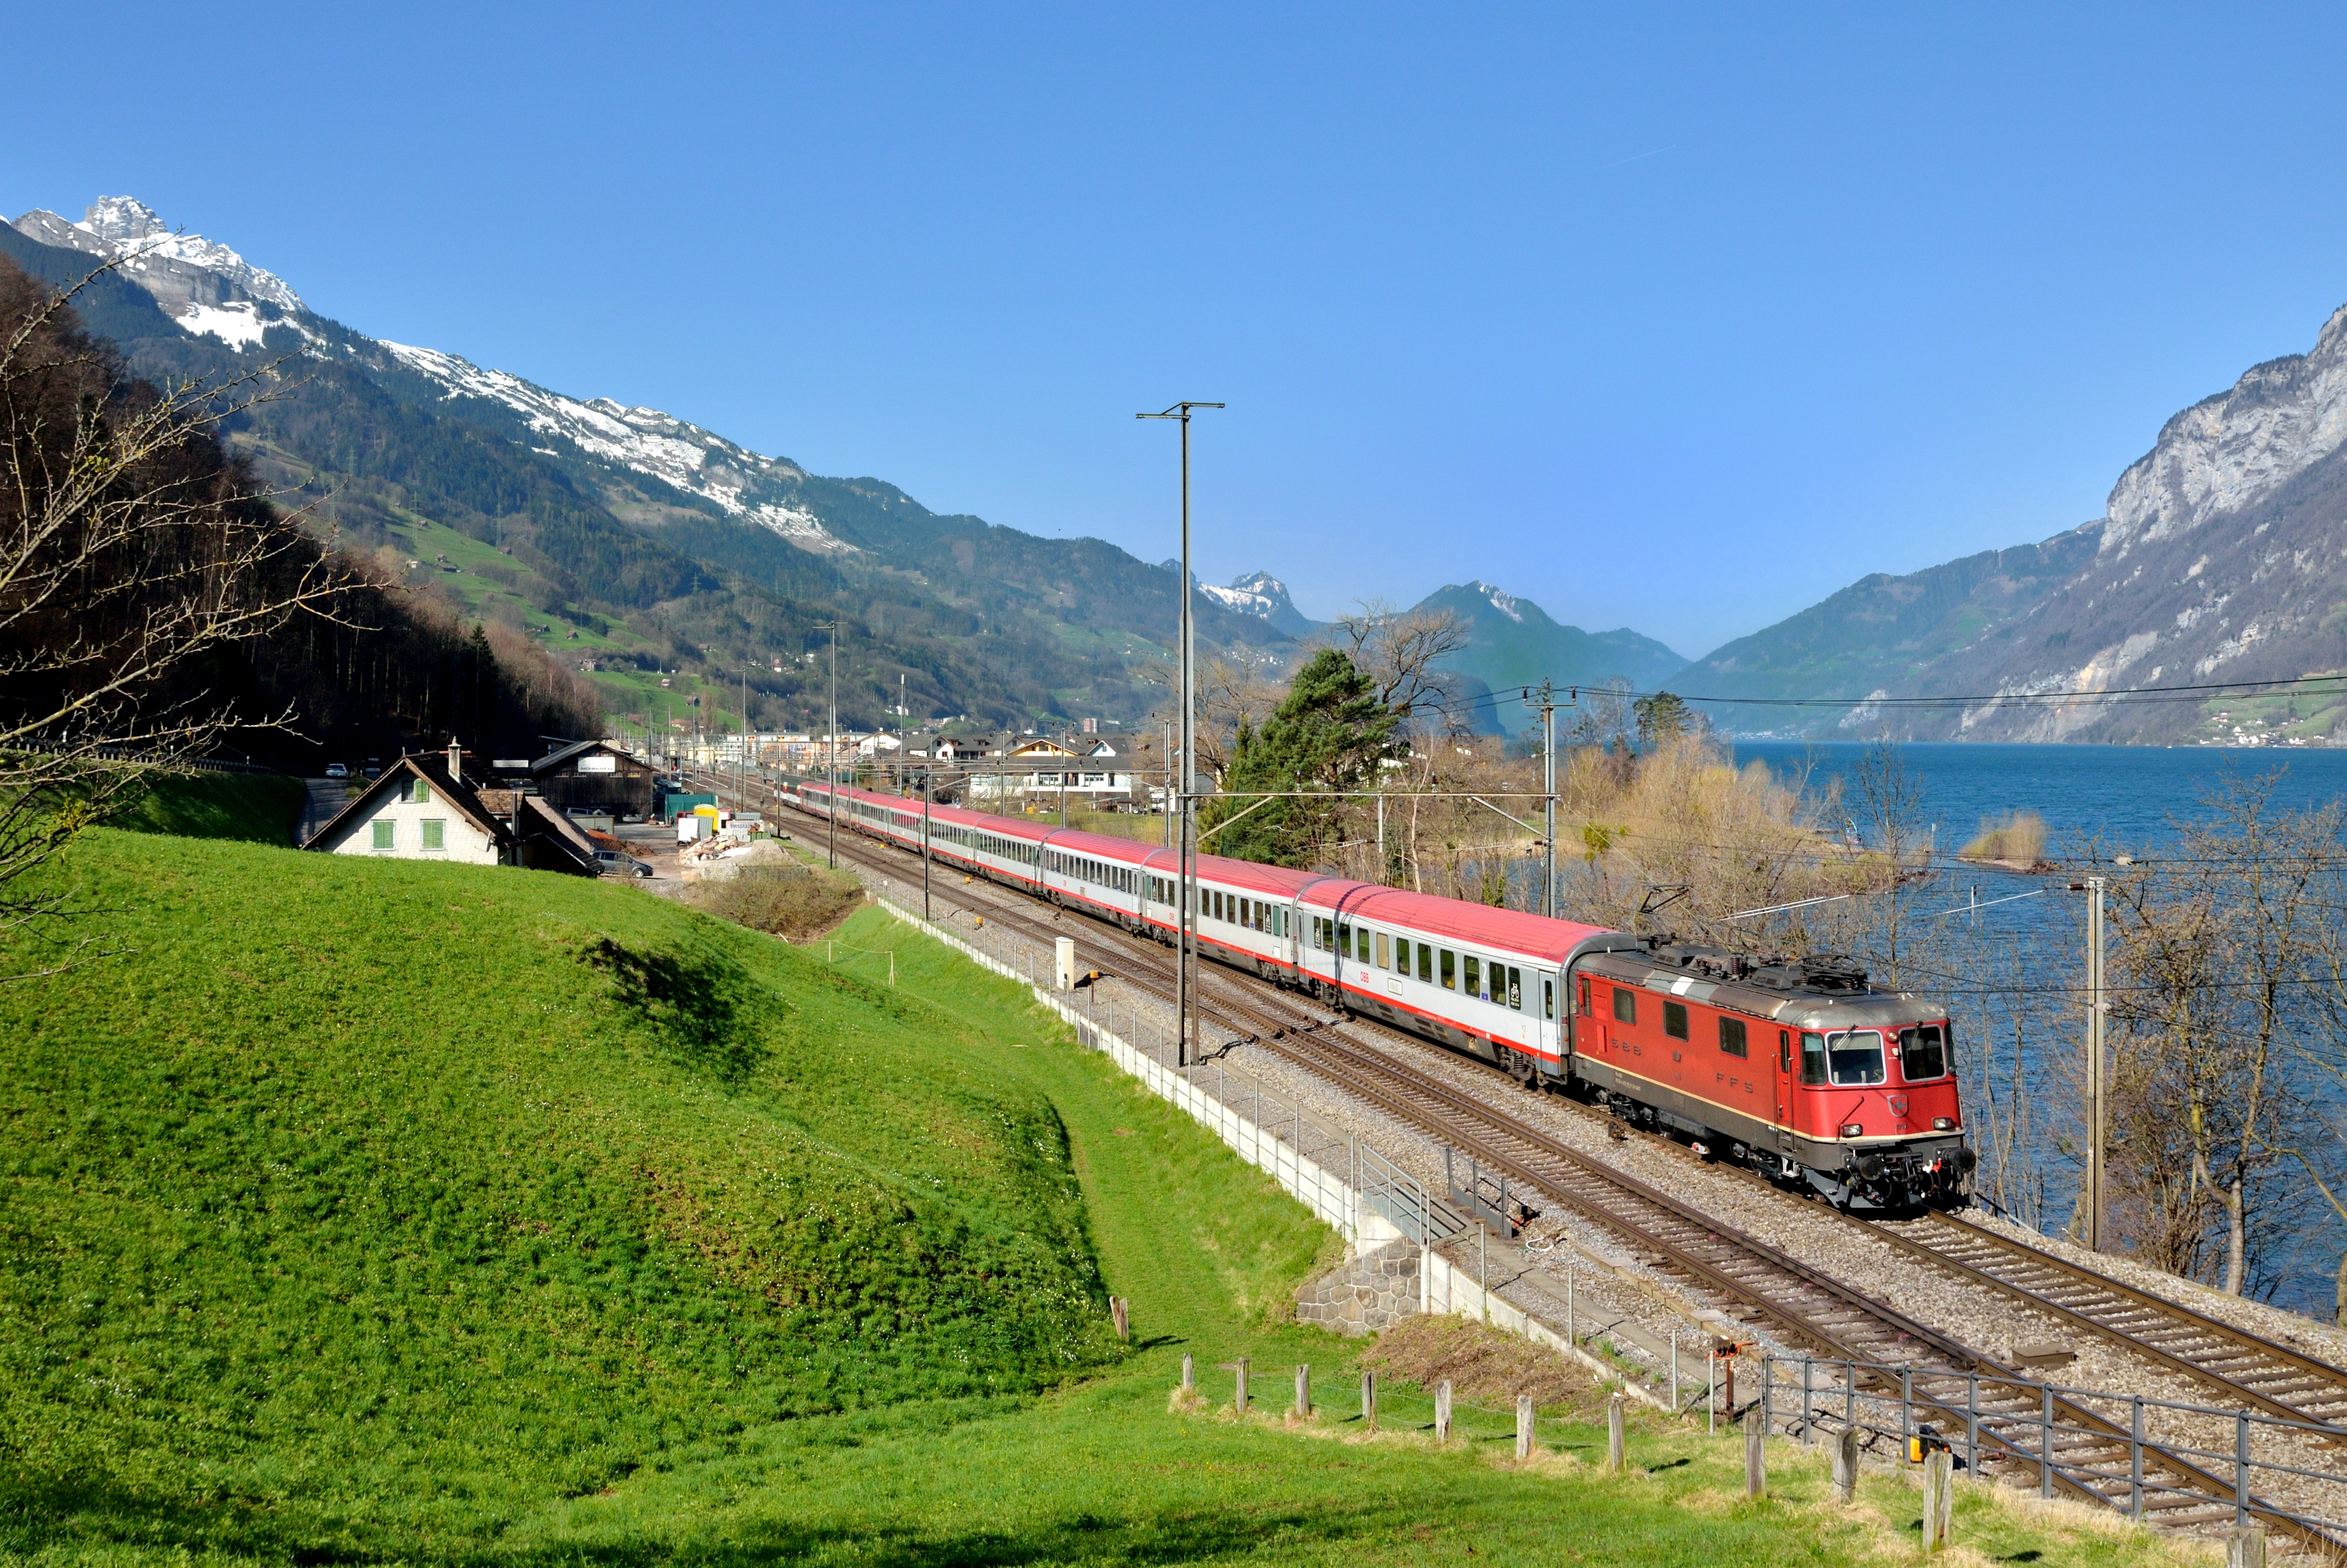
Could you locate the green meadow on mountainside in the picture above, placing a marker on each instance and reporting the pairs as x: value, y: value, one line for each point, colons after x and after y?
x: 366, y: 1210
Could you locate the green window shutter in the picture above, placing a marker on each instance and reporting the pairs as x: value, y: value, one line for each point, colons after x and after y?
x: 421, y: 792
x: 435, y: 834
x: 382, y: 831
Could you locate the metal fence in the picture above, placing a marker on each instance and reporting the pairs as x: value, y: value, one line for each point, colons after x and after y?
x: 2078, y: 1442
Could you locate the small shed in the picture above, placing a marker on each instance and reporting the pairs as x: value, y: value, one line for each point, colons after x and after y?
x: 596, y: 776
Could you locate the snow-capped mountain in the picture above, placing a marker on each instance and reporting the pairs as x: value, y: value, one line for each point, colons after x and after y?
x: 1264, y: 597
x: 204, y: 286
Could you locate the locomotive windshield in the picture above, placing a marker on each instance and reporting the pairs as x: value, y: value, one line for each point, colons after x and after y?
x: 1855, y: 1056
x: 1924, y: 1051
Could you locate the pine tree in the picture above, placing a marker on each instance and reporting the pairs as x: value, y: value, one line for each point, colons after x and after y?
x: 1328, y: 733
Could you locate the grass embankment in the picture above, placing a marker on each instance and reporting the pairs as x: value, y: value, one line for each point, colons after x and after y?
x: 376, y: 1210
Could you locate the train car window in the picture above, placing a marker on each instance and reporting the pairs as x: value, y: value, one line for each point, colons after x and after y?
x: 1855, y: 1056
x: 1474, y: 976
x: 1548, y: 999
x: 1450, y: 961
x: 1731, y: 1038
x: 1401, y: 957
x: 1922, y: 1052
x: 1515, y: 988
x: 1426, y: 963
x: 1385, y: 951
x: 1674, y: 1020
x: 1345, y: 941
x: 1626, y: 1005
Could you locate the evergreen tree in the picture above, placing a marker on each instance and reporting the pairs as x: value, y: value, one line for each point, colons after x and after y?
x: 1330, y: 733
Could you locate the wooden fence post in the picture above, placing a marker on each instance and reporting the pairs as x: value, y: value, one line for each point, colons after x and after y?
x: 1939, y: 1497
x: 1368, y: 1402
x: 1303, y: 1391
x: 1442, y: 1412
x: 2246, y: 1547
x: 1845, y: 1465
x: 1614, y: 1434
x: 1523, y: 1426
x: 1120, y: 1313
x: 1240, y: 1399
x: 1755, y: 1454
x: 1189, y: 1374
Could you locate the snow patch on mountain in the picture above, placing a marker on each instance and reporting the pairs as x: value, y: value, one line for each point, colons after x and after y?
x: 1499, y: 599
x: 235, y: 324
x: 659, y: 446
x: 1240, y: 599
x: 802, y: 528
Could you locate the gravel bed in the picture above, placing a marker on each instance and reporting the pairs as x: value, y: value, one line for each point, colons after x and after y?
x: 1623, y: 1290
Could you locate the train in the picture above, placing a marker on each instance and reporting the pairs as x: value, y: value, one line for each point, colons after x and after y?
x: 1794, y: 1068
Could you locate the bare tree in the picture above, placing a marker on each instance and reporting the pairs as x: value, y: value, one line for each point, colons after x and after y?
x: 1401, y: 652
x: 132, y: 551
x: 2216, y: 944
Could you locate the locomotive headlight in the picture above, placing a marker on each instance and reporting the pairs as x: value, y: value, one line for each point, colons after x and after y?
x: 1944, y: 1123
x: 1853, y: 1131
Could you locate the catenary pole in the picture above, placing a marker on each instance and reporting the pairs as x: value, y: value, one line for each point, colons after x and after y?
x: 925, y: 845
x: 1186, y: 937
x: 2097, y: 1005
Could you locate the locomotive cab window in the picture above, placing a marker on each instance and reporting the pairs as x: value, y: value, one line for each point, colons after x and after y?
x: 1674, y: 1020
x: 1731, y: 1038
x: 1813, y: 1058
x: 1855, y: 1056
x: 1626, y: 1005
x: 1922, y: 1052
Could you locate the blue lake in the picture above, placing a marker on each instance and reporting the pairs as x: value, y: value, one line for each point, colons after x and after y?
x: 2126, y: 795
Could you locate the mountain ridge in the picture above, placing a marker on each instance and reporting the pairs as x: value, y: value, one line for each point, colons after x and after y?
x: 2221, y: 556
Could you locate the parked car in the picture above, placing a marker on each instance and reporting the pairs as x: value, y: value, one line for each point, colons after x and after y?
x: 337, y: 771
x: 615, y: 863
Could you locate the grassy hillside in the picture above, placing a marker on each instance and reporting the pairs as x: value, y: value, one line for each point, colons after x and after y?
x: 263, y: 808
x: 374, y: 1211
x: 367, y: 1202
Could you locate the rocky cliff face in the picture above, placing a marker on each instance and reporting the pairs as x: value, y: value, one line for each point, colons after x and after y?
x: 2222, y: 558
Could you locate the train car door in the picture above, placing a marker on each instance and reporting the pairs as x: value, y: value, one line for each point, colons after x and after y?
x: 1784, y: 1086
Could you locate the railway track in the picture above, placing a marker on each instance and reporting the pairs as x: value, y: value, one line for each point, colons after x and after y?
x: 1757, y: 1283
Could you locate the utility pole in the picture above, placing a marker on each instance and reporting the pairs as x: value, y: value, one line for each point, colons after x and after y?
x: 831, y: 751
x: 925, y: 780
x: 1168, y: 760
x: 2097, y: 1005
x: 1186, y: 938
x: 1546, y: 705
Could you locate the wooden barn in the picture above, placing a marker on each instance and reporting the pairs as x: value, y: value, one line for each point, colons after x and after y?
x: 595, y: 776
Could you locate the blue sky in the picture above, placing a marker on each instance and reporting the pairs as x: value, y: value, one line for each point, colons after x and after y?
x: 1678, y: 318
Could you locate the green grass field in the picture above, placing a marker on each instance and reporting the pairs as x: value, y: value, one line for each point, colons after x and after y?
x: 373, y: 1211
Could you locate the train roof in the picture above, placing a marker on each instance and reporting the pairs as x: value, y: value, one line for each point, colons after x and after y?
x: 1515, y: 931
x: 1511, y: 930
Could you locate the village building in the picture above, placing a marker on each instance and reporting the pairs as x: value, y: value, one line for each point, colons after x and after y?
x: 596, y: 778
x: 427, y: 807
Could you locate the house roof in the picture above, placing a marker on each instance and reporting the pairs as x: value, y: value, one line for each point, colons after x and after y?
x: 431, y: 767
x: 557, y: 758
